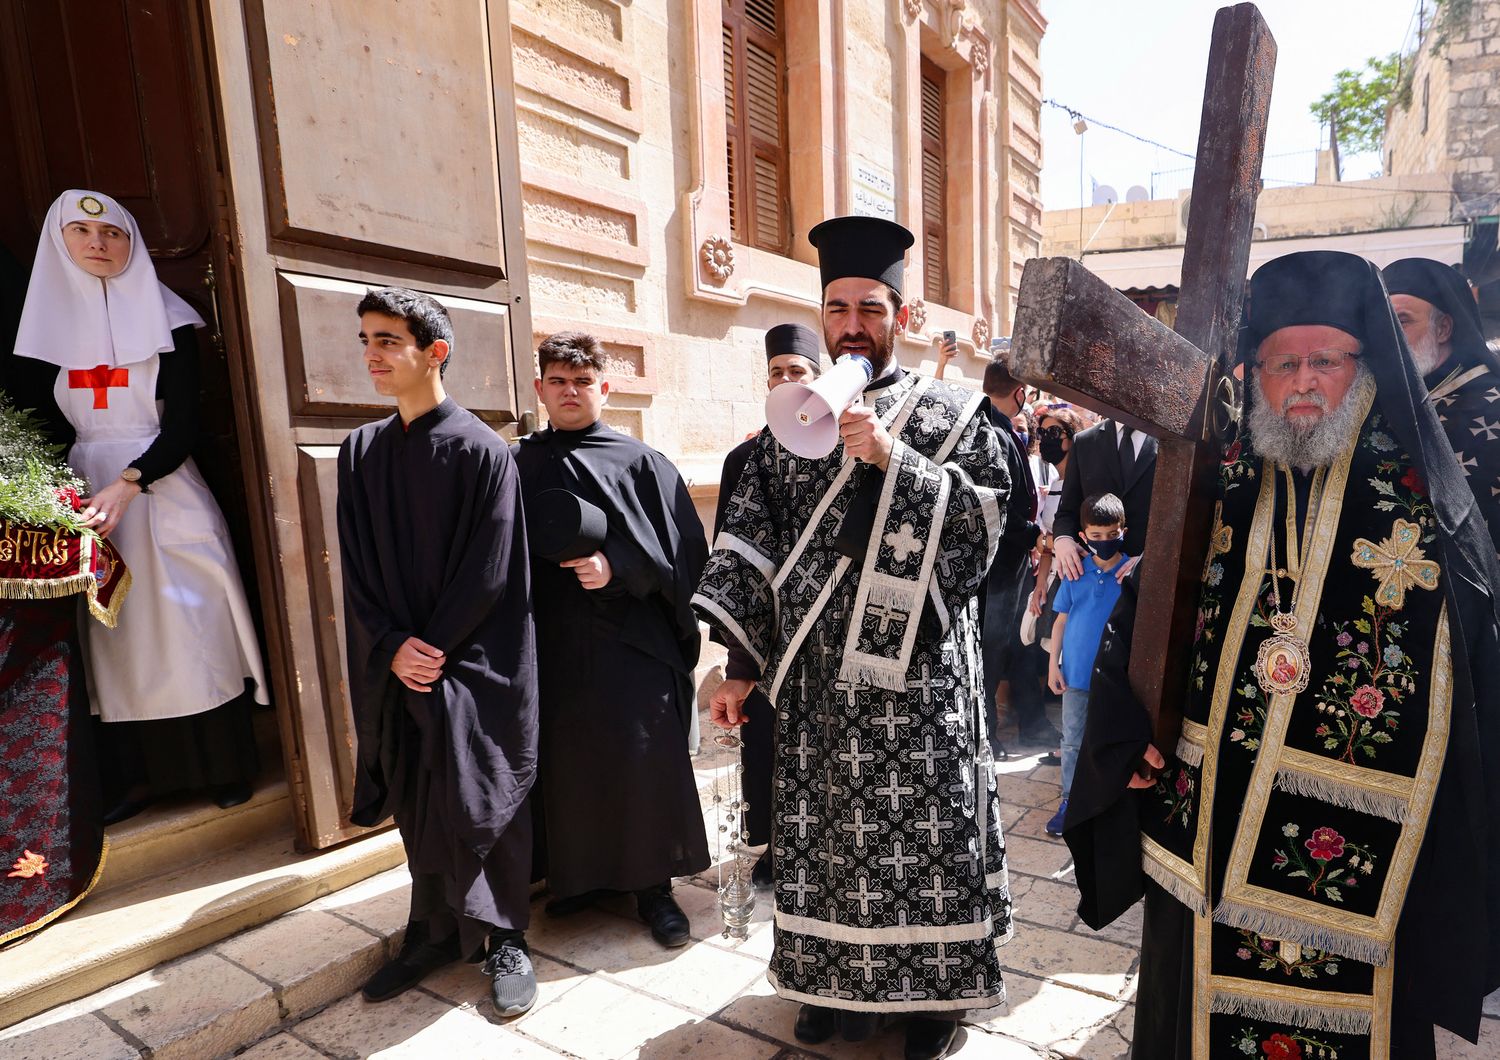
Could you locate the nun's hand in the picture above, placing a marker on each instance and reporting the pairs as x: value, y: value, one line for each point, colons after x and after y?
x: 594, y: 572
x: 727, y: 707
x: 102, y: 512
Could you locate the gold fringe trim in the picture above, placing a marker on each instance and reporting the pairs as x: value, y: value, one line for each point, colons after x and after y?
x: 1295, y: 929
x: 110, y: 615
x: 1180, y: 889
x: 1338, y: 792
x: 38, y: 924
x: 1351, y: 1017
x: 44, y: 588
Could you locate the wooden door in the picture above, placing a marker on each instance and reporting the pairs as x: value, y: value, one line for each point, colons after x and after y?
x: 365, y: 144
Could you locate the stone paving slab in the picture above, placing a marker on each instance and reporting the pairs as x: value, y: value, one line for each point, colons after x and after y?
x: 198, y: 1006
x: 286, y: 990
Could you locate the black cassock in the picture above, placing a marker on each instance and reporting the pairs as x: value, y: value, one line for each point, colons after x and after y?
x: 434, y: 546
x: 618, y: 798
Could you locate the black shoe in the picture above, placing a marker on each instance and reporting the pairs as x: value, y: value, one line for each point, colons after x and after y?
x: 929, y: 1039
x: 577, y: 903
x: 125, y: 809
x: 761, y: 874
x: 857, y: 1026
x: 1051, y: 758
x: 669, y: 924
x: 815, y: 1024
x: 512, y: 978
x: 1042, y: 734
x: 227, y: 795
x: 416, y: 960
x: 997, y: 750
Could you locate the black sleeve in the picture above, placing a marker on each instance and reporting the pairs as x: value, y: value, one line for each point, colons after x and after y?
x: 177, y: 390
x: 1065, y: 521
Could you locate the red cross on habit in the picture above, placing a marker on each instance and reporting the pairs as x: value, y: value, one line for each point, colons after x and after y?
x: 99, y: 380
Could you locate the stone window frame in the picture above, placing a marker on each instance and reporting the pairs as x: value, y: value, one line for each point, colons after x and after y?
x: 722, y: 271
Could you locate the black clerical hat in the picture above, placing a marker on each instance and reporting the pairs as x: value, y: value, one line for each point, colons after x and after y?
x: 792, y: 338
x: 1434, y: 282
x: 871, y: 247
x: 1310, y: 287
x: 561, y: 526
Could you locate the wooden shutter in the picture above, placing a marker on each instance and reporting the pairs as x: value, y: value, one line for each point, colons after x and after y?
x: 755, y: 117
x: 934, y: 185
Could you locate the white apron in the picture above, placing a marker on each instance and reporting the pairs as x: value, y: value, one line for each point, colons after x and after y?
x: 185, y: 642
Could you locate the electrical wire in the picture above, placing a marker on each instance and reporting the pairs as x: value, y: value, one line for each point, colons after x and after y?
x: 1075, y: 115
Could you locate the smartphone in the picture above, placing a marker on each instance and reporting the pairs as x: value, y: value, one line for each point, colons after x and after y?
x: 950, y: 336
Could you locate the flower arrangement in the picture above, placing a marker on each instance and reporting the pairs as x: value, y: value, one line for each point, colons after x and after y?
x: 37, y: 488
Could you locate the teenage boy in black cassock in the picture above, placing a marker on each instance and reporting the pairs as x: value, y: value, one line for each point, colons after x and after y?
x: 442, y: 659
x: 616, y: 645
x: 791, y: 357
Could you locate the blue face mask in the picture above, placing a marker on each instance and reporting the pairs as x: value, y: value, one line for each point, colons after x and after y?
x: 1025, y: 440
x: 1106, y: 550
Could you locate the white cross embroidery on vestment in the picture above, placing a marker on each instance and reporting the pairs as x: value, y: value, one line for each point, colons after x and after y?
x: 904, y: 542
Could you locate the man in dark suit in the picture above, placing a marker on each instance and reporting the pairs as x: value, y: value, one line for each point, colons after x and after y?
x: 1008, y: 585
x: 1107, y: 458
x: 791, y: 357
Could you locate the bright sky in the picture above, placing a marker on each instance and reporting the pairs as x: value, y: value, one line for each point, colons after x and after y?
x: 1141, y: 66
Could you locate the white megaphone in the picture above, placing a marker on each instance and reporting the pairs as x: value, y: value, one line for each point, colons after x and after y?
x: 805, y: 417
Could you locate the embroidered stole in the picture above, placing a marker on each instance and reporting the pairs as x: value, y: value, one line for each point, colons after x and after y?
x: 1290, y: 823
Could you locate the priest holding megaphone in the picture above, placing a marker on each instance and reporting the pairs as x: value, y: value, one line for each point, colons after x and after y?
x: 846, y: 570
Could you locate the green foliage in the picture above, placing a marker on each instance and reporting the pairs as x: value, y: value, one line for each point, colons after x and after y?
x: 1359, y: 101
x: 34, y: 478
x: 1450, y: 19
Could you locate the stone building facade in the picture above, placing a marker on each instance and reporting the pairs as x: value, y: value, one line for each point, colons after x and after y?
x: 627, y: 115
x: 1452, y: 123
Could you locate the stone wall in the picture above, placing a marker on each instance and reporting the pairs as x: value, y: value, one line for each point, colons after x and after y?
x: 1462, y: 85
x: 620, y: 115
x: 1410, y: 201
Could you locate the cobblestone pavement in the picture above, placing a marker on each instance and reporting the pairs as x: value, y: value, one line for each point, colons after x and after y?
x: 607, y: 990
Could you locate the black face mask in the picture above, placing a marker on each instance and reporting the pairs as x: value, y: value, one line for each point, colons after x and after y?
x: 1051, y: 449
x: 1106, y: 550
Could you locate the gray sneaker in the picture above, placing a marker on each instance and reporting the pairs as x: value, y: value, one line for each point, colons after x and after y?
x: 512, y: 979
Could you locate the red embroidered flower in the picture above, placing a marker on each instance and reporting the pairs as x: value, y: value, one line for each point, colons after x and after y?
x: 1367, y: 701
x: 1325, y: 844
x: 1412, y: 480
x: 1232, y: 453
x: 1184, y: 785
x: 1280, y: 1047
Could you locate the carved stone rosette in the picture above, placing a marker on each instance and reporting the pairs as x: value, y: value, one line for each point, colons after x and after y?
x: 916, y: 316
x: 982, y: 336
x: 717, y: 256
x: 913, y: 9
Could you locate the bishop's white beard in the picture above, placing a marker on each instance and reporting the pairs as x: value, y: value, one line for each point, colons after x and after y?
x: 1318, y: 444
x: 1425, y: 352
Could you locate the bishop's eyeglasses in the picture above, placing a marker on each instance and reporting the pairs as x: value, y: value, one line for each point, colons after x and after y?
x: 1324, y: 362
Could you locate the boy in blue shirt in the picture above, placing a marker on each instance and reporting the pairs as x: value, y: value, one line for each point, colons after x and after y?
x: 1083, y: 608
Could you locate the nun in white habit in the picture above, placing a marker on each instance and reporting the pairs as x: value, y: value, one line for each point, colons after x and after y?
x: 174, y: 682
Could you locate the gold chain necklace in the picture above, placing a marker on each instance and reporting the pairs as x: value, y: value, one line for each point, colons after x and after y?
x: 1283, y: 666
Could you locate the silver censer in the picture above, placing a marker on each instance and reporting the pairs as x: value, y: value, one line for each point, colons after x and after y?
x: 736, y: 891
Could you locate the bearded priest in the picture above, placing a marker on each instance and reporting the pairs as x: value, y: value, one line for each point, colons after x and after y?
x: 1318, y: 873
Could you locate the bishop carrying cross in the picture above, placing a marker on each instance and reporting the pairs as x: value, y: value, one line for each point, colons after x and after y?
x: 1311, y: 840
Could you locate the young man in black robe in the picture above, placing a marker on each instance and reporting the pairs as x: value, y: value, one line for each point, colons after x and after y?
x: 791, y: 357
x: 1441, y: 321
x: 1315, y: 851
x: 442, y: 661
x: 616, y: 646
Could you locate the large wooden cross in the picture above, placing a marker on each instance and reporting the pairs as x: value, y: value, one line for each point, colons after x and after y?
x: 1076, y: 337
